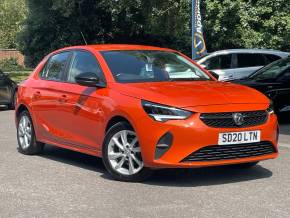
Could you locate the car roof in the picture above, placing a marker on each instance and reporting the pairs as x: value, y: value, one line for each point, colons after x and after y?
x: 115, y: 47
x: 253, y: 50
x: 235, y: 51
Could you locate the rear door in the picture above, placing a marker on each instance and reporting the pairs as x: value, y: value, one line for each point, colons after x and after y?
x: 48, y: 96
x: 82, y: 113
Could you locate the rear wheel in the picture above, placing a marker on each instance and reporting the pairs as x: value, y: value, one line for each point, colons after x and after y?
x: 245, y: 165
x: 122, y: 155
x: 27, y: 143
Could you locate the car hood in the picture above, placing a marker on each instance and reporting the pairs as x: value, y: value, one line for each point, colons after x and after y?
x: 190, y: 94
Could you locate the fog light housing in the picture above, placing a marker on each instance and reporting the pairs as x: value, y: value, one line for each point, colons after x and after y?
x: 163, y: 145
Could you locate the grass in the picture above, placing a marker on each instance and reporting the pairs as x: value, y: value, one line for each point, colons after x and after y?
x: 19, y: 76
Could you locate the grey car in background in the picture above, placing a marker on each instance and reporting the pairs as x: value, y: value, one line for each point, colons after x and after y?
x: 239, y: 63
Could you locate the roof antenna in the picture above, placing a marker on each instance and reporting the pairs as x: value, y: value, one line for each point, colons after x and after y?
x: 84, y: 38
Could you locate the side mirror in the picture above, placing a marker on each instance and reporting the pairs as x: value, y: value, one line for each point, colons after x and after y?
x: 215, y: 75
x: 89, y: 79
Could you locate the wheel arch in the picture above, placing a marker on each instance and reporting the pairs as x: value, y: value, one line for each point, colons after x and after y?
x: 117, y: 119
x: 20, y: 109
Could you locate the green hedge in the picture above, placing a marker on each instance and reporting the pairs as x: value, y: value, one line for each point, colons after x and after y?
x: 18, y: 76
x: 10, y: 64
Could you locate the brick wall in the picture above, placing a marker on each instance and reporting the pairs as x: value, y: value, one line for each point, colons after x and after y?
x: 12, y: 53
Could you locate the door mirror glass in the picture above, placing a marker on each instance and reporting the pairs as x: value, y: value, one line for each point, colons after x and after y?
x: 88, y: 79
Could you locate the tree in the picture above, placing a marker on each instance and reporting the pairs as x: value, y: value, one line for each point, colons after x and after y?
x: 12, y: 15
x: 247, y: 24
x: 52, y: 24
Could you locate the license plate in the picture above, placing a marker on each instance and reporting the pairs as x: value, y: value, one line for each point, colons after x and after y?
x: 228, y: 138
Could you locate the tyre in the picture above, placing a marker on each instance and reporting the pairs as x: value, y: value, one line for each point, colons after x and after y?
x: 27, y: 143
x: 122, y: 155
x: 245, y: 165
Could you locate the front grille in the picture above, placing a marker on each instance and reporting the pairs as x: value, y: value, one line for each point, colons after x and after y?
x: 226, y: 120
x: 229, y: 152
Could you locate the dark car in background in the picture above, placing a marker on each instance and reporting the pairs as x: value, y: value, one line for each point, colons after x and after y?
x: 274, y: 81
x: 8, y: 91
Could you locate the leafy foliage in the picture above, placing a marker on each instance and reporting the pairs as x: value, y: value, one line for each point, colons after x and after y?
x: 10, y: 64
x: 247, y: 24
x: 52, y: 24
x: 12, y: 14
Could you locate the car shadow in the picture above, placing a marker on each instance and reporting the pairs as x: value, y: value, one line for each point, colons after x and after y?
x: 207, y: 176
x: 65, y: 156
x: 165, y: 177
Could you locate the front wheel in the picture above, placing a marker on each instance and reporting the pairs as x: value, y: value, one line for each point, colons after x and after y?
x: 27, y: 143
x: 122, y: 154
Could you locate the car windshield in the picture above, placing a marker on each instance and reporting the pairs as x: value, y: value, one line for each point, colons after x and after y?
x: 272, y: 70
x: 151, y: 66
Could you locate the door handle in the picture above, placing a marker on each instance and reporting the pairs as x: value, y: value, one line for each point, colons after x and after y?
x: 63, y: 99
x: 37, y: 95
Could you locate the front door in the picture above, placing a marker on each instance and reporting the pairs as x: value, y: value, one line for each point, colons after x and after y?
x: 82, y: 113
x: 221, y: 65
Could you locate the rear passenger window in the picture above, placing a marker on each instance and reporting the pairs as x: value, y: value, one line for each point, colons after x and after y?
x: 84, y: 62
x: 271, y: 58
x: 250, y: 60
x: 55, y: 67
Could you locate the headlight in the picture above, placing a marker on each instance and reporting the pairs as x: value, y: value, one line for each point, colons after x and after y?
x: 270, y: 109
x: 164, y: 113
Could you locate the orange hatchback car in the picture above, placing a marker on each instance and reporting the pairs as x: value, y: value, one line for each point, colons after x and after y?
x: 142, y: 108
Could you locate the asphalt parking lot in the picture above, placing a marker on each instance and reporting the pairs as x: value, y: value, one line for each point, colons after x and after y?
x: 61, y: 183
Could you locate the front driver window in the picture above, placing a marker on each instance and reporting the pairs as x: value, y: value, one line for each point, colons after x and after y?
x: 219, y: 62
x: 84, y: 62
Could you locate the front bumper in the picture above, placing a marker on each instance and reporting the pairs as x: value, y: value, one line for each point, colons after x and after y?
x: 192, y: 134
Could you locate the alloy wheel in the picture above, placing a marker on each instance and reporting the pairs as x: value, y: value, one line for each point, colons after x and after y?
x: 25, y: 132
x: 124, y: 153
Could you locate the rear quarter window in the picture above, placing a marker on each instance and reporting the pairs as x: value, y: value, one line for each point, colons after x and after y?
x: 55, y: 67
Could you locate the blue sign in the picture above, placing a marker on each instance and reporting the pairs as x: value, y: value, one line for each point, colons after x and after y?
x: 198, y: 43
